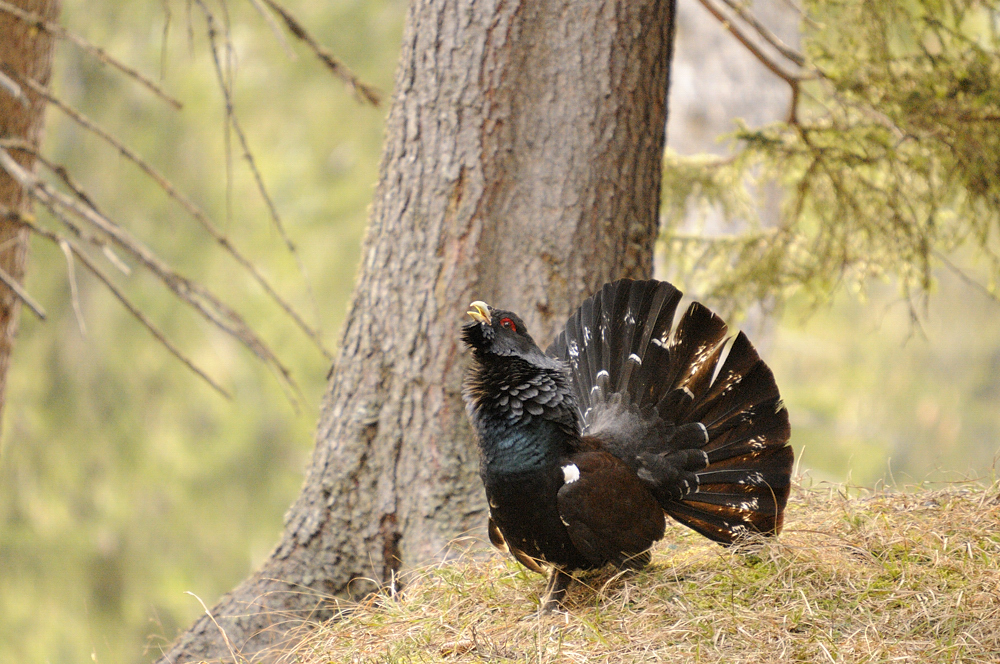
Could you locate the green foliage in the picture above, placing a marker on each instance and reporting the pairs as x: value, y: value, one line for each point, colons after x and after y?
x: 889, y: 160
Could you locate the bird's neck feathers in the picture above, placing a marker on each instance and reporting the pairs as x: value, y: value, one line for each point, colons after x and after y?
x: 507, y: 450
x: 524, y: 413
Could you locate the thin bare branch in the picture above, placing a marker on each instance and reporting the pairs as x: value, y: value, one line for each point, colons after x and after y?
x: 102, y: 56
x: 193, y: 293
x: 148, y: 324
x: 226, y: 86
x: 777, y: 70
x: 62, y: 241
x: 167, y: 16
x: 969, y: 280
x: 765, y: 33
x: 275, y: 28
x: 794, y: 80
x: 109, y: 253
x: 74, y: 293
x: 60, y: 171
x: 15, y: 91
x: 364, y: 91
x: 22, y: 294
x: 196, y: 213
x: 11, y: 282
x: 226, y: 81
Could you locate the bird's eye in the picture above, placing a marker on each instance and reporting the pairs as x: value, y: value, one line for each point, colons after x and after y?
x: 508, y: 324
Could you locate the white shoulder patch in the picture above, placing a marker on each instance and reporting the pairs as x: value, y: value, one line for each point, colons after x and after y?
x: 570, y: 473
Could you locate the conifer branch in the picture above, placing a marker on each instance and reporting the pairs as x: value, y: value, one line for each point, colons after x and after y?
x: 64, y: 243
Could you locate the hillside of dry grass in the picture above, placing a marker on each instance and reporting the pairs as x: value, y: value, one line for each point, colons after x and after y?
x: 877, y: 577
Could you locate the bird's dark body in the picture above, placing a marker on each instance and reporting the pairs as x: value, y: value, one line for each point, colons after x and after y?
x: 521, y: 453
x: 526, y: 513
x: 585, y: 447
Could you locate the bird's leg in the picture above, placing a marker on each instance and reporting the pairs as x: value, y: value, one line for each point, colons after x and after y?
x: 555, y: 590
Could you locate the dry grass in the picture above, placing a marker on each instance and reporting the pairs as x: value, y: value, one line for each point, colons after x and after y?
x: 879, y: 577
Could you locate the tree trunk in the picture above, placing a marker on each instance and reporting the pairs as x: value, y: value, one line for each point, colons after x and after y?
x: 522, y: 167
x: 25, y: 52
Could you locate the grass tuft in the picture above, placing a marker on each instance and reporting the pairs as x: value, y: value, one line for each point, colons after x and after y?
x: 861, y: 577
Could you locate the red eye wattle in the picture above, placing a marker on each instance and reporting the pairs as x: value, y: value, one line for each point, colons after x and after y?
x: 508, y: 324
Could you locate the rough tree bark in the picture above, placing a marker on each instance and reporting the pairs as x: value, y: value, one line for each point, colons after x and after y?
x: 25, y: 52
x: 522, y: 167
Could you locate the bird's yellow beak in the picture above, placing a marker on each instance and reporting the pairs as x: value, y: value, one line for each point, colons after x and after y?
x: 480, y: 312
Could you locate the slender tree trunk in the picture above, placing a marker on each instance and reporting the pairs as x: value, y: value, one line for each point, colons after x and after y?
x: 522, y: 167
x: 25, y: 52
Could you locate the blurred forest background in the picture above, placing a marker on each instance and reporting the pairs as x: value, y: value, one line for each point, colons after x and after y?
x: 125, y: 481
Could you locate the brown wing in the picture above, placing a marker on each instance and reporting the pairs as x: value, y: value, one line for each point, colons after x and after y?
x: 610, y: 515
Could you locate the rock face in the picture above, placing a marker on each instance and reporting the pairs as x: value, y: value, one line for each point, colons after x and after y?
x: 716, y: 79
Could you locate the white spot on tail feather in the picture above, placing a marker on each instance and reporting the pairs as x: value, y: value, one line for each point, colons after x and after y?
x: 570, y: 473
x: 635, y: 358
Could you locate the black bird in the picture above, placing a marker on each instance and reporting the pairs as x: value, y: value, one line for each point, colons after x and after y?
x: 587, y: 445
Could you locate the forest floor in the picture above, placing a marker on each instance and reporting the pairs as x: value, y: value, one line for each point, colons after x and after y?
x: 856, y: 576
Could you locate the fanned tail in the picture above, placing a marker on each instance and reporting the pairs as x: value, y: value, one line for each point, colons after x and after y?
x: 697, y: 414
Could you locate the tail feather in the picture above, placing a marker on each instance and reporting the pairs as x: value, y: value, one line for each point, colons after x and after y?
x: 622, y: 320
x: 589, y: 325
x: 628, y: 300
x: 742, y: 401
x: 695, y: 349
x: 766, y: 431
x: 619, y: 344
x: 738, y: 474
x: 734, y: 518
x: 756, y: 484
x: 740, y: 361
x: 765, y: 502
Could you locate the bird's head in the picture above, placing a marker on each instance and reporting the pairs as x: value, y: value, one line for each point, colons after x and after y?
x: 498, y: 332
x: 510, y: 379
